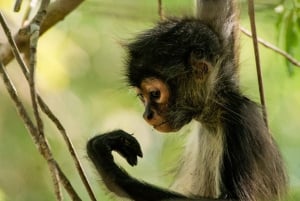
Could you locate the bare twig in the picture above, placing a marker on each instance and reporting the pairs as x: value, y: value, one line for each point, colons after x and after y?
x: 57, y: 122
x: 70, y: 146
x: 34, y: 36
x: 12, y: 92
x: 17, y: 6
x: 42, y: 145
x: 36, y: 134
x: 13, y: 47
x: 272, y: 47
x: 160, y: 10
x: 257, y: 60
x: 46, y: 109
x: 31, y: 80
x: 22, y: 112
x: 66, y: 183
x: 57, y: 186
x: 57, y: 11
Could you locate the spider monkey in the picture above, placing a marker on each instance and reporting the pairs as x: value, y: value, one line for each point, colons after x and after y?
x: 186, y: 69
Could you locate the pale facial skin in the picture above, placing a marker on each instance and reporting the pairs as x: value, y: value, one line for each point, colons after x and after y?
x: 154, y: 94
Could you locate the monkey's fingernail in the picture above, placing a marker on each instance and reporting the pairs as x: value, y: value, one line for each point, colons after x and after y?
x: 140, y: 153
x: 133, y: 161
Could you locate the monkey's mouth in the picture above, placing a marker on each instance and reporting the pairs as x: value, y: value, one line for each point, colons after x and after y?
x: 165, y: 127
x: 158, y: 125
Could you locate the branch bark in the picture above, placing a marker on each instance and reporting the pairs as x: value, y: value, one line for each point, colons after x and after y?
x: 56, y: 12
x: 251, y: 14
x: 268, y: 45
x: 40, y: 141
x: 21, y: 41
x: 160, y: 10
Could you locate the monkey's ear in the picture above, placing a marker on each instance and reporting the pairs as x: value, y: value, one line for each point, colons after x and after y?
x: 200, y: 67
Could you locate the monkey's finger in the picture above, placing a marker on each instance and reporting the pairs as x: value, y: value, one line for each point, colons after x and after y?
x: 132, y: 160
x: 130, y: 144
x: 136, y: 148
x: 129, y: 154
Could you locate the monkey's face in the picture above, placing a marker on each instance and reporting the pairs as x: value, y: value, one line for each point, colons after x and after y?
x: 155, y: 95
x: 168, y: 107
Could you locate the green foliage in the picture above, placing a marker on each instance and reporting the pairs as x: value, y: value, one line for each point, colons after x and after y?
x: 288, y: 26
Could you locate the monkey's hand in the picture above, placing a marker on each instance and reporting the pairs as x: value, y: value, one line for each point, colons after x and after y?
x: 125, y: 144
x: 120, y: 141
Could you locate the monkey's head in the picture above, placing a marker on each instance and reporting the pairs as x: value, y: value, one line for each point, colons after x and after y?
x: 170, y: 65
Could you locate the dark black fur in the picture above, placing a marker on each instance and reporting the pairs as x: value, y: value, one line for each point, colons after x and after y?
x: 159, y: 52
x: 116, y: 179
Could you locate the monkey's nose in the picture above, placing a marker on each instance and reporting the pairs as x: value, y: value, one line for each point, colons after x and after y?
x: 148, y: 115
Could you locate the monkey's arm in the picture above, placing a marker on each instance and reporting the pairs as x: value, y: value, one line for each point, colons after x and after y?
x: 118, y: 180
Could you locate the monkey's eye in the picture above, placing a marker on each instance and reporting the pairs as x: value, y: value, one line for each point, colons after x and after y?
x: 141, y: 97
x: 154, y: 95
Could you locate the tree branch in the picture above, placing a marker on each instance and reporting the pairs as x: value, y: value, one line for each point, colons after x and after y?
x: 160, y: 10
x: 272, y: 47
x: 62, y: 8
x: 257, y: 60
x: 17, y: 5
x: 40, y: 142
x: 34, y: 36
x: 57, y: 11
x: 36, y: 133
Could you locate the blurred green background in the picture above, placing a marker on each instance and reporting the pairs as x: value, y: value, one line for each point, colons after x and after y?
x: 80, y: 75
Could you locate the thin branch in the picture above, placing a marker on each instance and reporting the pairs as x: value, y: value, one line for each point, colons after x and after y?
x: 42, y: 145
x: 257, y: 60
x: 36, y: 134
x: 160, y: 10
x: 268, y: 45
x: 70, y: 146
x: 19, y: 105
x: 17, y: 5
x: 34, y: 36
x: 47, y: 110
x: 57, y: 186
x: 57, y: 11
x: 13, y: 47
x: 66, y: 183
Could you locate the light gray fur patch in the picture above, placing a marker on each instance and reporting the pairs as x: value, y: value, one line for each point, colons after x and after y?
x: 200, y: 171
